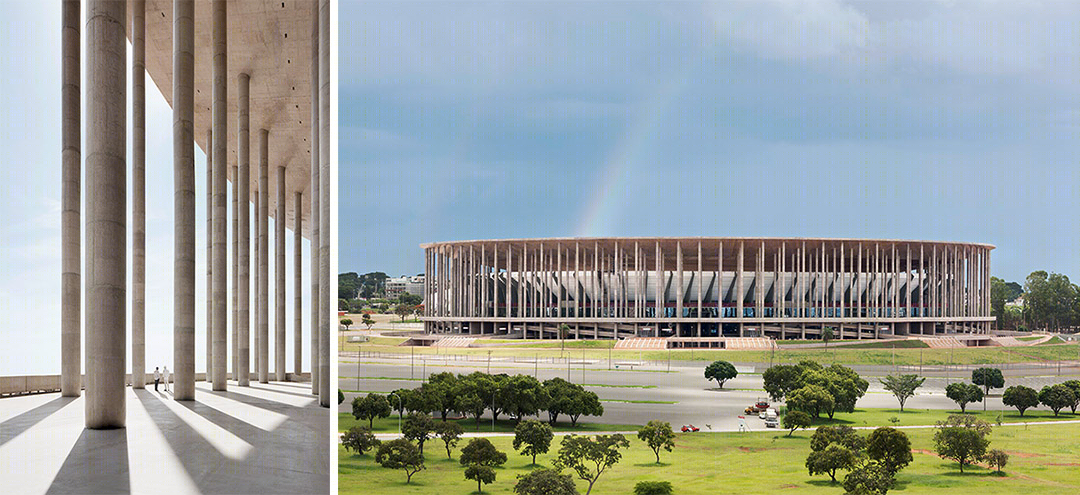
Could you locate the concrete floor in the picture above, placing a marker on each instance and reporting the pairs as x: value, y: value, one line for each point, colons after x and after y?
x: 269, y: 438
x: 698, y: 401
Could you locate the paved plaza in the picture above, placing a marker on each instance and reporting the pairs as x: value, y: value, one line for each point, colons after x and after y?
x: 266, y: 438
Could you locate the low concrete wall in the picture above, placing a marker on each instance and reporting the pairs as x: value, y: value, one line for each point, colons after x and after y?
x: 37, y: 384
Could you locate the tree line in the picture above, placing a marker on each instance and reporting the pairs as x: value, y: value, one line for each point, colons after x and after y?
x: 516, y: 396
x: 1051, y: 303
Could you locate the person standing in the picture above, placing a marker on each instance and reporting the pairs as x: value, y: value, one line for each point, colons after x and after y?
x: 167, y: 377
x: 157, y: 378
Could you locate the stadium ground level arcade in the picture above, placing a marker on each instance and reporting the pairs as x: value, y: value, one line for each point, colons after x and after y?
x: 706, y: 287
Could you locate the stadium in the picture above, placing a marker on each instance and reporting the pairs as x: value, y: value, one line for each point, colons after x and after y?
x: 707, y: 291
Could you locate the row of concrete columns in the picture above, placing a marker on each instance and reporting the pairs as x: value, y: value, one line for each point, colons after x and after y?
x: 829, y: 280
x: 106, y: 215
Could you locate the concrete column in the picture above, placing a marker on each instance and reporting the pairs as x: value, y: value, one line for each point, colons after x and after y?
x: 183, y: 103
x: 70, y: 217
x: 209, y: 253
x: 739, y: 294
x: 678, y: 288
x: 220, y: 105
x: 325, y: 296
x: 243, y: 230
x: 298, y: 292
x: 138, y: 194
x: 106, y: 213
x: 315, y: 207
x: 235, y: 272
x: 279, y: 278
x: 263, y: 312
x: 256, y: 284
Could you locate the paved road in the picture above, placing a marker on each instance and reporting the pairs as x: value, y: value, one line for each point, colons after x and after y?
x: 697, y: 401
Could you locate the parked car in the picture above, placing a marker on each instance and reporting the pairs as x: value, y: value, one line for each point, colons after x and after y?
x: 690, y: 428
x: 772, y: 422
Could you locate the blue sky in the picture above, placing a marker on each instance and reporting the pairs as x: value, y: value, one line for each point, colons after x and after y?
x: 918, y: 120
x: 30, y: 183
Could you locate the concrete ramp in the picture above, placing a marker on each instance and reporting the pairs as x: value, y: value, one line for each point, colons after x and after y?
x: 749, y: 343
x: 944, y: 342
x: 642, y: 343
x: 454, y: 342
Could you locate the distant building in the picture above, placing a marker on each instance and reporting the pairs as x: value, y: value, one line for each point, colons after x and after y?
x: 784, y: 288
x: 412, y: 285
x: 1018, y: 302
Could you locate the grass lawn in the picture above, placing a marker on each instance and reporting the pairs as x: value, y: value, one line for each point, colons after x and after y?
x: 763, y: 462
x: 895, y: 344
x: 842, y: 355
x: 503, y: 425
x: 916, y: 417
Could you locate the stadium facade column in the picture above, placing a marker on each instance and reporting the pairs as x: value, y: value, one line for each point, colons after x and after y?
x: 315, y: 197
x: 235, y: 259
x: 324, y: 217
x: 70, y: 216
x: 298, y: 286
x: 256, y: 281
x: 106, y: 213
x: 740, y: 295
x: 209, y: 254
x: 219, y: 26
x: 243, y: 230
x: 279, y: 277
x: 138, y: 194
x: 183, y: 104
x: 263, y: 316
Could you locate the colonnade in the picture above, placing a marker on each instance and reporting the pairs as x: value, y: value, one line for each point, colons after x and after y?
x: 104, y: 321
x: 699, y: 287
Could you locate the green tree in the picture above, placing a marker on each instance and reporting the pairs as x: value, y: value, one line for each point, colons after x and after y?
x: 347, y: 322
x: 439, y: 393
x: 868, y: 477
x: 890, y: 447
x: 563, y: 397
x: 449, y: 432
x: 403, y: 310
x: 811, y: 399
x: 400, y: 454
x: 418, y: 427
x: 480, y: 458
x: 988, y: 378
x: 366, y: 320
x: 828, y: 461
x: 997, y: 300
x: 653, y: 488
x: 721, y: 371
x: 961, y: 438
x: 359, y: 439
x: 1020, y: 397
x: 399, y: 400
x: 589, y: 457
x: 902, y: 387
x: 781, y: 380
x: 523, y: 396
x: 340, y: 396
x: 657, y: 435
x: 1056, y: 397
x: 1074, y: 385
x: 794, y: 420
x: 370, y: 407
x: 826, y: 336
x: 545, y: 481
x: 997, y: 459
x: 841, y: 435
x: 473, y: 394
x: 534, y: 435
x: 963, y: 394
x: 842, y: 383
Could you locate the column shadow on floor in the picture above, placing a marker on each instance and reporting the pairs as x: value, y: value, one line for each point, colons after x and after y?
x: 293, y: 458
x: 98, y: 463
x: 276, y: 391
x: 15, y: 426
